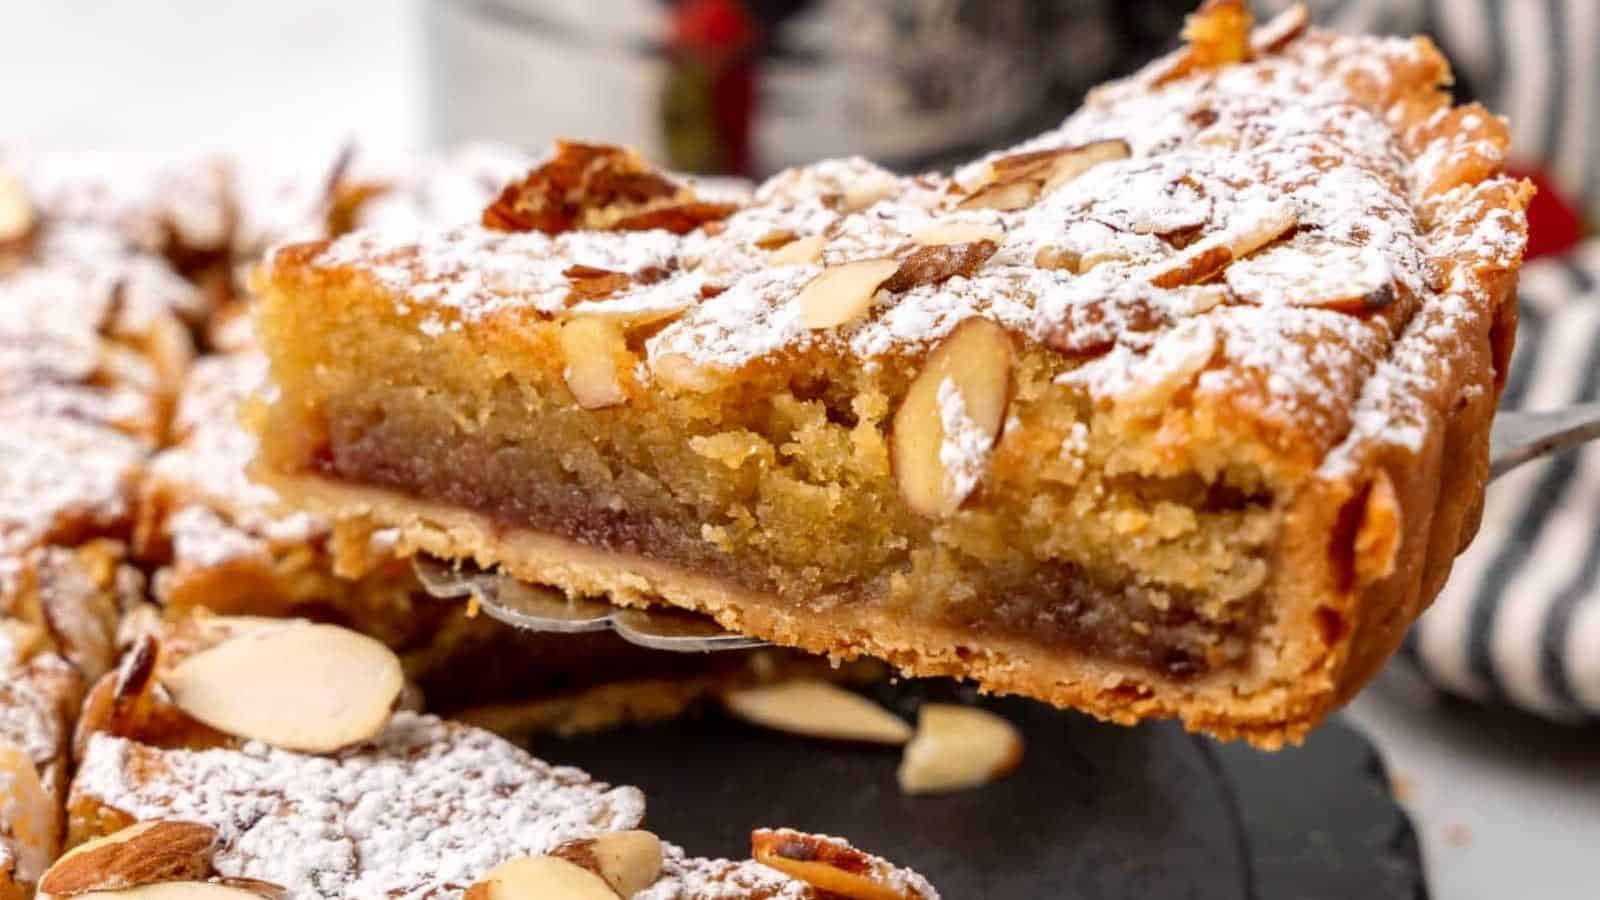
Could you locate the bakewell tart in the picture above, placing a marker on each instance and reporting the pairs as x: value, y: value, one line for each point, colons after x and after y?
x: 1180, y: 409
x: 221, y: 544
x: 266, y: 757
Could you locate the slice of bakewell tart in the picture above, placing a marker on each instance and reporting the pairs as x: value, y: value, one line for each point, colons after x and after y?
x: 1178, y: 410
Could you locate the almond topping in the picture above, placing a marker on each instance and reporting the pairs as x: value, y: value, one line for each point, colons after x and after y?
x: 30, y: 812
x: 832, y: 865
x: 303, y: 687
x: 951, y: 417
x: 629, y: 861
x: 1218, y: 33
x: 16, y: 216
x: 959, y: 233
x: 1207, y: 258
x: 1281, y: 31
x: 21, y: 641
x: 680, y: 372
x: 1171, y: 365
x: 869, y: 190
x: 806, y: 250
x: 817, y: 709
x: 1021, y: 178
x: 958, y: 747
x: 1004, y: 196
x: 540, y: 878
x: 593, y: 348
x: 938, y: 264
x: 599, y: 186
x: 843, y: 293
x: 182, y: 890
x: 145, y: 853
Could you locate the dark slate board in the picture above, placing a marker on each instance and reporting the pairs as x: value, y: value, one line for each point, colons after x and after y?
x: 1096, y: 811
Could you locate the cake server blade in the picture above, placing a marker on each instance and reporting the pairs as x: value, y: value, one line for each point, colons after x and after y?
x: 539, y: 608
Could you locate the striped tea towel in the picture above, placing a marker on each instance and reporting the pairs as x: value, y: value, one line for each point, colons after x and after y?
x: 1519, y: 620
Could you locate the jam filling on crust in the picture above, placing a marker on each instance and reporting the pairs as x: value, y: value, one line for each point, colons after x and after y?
x: 1054, y: 603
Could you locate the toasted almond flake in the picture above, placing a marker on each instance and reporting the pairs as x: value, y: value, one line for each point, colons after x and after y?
x: 145, y: 853
x: 868, y: 190
x: 1005, y: 196
x: 1172, y: 364
x: 31, y: 813
x: 629, y: 861
x: 1075, y: 161
x: 843, y: 293
x: 951, y: 416
x: 1281, y: 31
x: 1207, y: 258
x: 959, y: 233
x: 309, y: 688
x: 540, y: 878
x: 833, y: 866
x: 817, y: 709
x: 806, y: 251
x: 593, y: 347
x: 939, y: 263
x: 958, y: 747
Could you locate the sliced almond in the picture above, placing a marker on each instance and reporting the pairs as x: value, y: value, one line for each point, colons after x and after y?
x: 1279, y: 33
x: 629, y: 861
x: 832, y: 865
x: 30, y: 812
x: 592, y: 347
x: 959, y: 233
x: 939, y: 263
x: 868, y: 190
x: 1171, y: 365
x: 16, y: 215
x: 842, y: 293
x: 310, y: 688
x: 806, y: 251
x: 540, y: 878
x: 817, y: 709
x: 958, y: 747
x: 1006, y: 196
x: 21, y: 641
x: 930, y: 462
x: 1205, y: 259
x: 180, y: 890
x: 1074, y: 161
x: 146, y: 853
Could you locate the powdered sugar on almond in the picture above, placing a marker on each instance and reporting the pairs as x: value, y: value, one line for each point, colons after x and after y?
x: 422, y: 812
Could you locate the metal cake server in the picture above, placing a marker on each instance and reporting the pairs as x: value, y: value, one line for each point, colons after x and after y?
x: 1517, y: 437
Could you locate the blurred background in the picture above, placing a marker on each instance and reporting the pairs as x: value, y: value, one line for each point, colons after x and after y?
x: 1500, y: 768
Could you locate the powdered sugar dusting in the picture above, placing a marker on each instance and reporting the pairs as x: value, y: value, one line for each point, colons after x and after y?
x: 964, y: 449
x: 1313, y: 137
x: 422, y: 812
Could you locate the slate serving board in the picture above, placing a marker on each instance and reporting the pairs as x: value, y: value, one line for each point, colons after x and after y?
x: 1096, y: 811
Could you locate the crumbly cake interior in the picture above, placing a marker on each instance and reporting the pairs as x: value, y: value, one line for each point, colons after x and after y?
x: 1225, y: 290
x: 784, y: 484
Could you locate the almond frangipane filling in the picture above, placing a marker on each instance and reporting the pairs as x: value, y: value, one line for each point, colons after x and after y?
x: 1097, y: 419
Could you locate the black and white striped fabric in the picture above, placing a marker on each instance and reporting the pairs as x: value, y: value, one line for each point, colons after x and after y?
x: 1519, y: 621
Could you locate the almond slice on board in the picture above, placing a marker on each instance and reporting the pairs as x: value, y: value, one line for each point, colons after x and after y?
x: 817, y: 709
x: 629, y: 861
x: 843, y: 293
x: 832, y: 865
x: 310, y: 688
x: 540, y: 878
x: 146, y: 853
x: 958, y: 747
x: 976, y: 359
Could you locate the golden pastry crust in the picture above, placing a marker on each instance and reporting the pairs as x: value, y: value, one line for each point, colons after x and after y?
x: 1251, y: 299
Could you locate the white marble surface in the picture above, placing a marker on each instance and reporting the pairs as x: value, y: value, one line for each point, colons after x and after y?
x: 1506, y: 807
